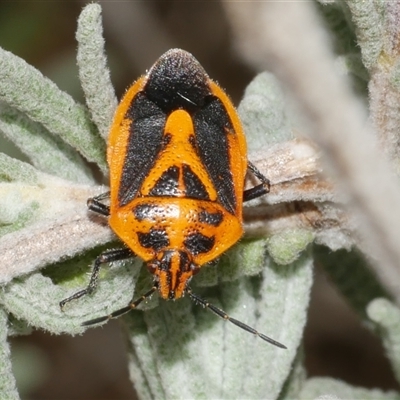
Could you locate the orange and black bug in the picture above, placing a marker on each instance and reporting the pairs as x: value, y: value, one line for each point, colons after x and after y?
x: 177, y: 159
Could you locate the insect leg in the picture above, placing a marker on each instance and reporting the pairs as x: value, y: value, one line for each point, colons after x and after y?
x: 106, y: 257
x: 94, y: 204
x: 132, y: 305
x: 259, y: 190
x: 234, y: 321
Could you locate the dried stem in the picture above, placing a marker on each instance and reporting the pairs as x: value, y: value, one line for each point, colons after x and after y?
x: 293, y: 168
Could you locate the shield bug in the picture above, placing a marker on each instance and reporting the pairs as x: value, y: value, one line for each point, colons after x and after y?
x: 177, y: 158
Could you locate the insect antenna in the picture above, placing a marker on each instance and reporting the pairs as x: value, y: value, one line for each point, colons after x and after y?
x: 226, y: 317
x: 131, y: 306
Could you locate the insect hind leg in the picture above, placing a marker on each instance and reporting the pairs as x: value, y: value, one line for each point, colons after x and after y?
x: 259, y: 190
x: 106, y: 257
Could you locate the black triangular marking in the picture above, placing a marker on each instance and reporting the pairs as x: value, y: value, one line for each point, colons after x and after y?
x: 167, y: 184
x: 195, y: 188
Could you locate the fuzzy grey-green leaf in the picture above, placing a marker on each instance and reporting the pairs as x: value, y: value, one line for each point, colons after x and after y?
x: 8, y: 389
x: 15, y: 170
x: 286, y: 246
x: 352, y: 275
x: 368, y: 17
x: 387, y: 316
x: 262, y: 112
x: 93, y: 72
x: 25, y: 88
x: 35, y: 298
x: 328, y: 388
x: 177, y: 333
x: 48, y: 153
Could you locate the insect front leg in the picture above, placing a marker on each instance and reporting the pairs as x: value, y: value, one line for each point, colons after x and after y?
x: 259, y: 190
x: 106, y: 257
x: 131, y: 306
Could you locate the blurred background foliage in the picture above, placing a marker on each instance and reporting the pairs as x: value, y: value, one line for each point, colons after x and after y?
x: 93, y: 366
